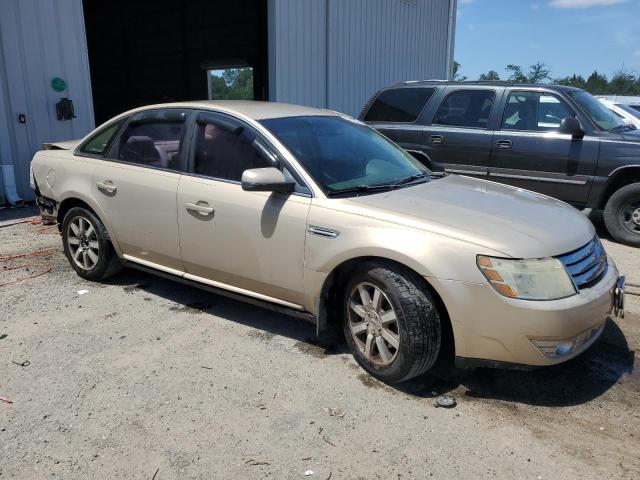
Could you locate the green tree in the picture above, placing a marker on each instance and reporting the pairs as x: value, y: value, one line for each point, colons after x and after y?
x: 596, y: 83
x: 624, y: 83
x: 490, y: 75
x: 233, y: 84
x: 538, y: 73
x: 574, y: 80
x: 456, y: 72
x: 515, y: 74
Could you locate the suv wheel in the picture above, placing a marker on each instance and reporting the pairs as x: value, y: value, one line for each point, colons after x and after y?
x: 391, y: 322
x: 622, y: 215
x: 87, y: 246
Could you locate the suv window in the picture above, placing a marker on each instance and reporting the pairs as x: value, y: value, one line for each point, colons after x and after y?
x: 534, y: 111
x: 466, y: 108
x: 399, y: 105
x: 153, y: 140
x: 225, y: 151
x: 99, y: 143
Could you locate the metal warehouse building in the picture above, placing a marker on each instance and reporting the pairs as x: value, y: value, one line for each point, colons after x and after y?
x: 107, y: 57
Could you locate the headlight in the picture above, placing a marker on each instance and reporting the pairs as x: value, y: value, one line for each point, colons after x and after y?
x: 540, y: 279
x: 32, y: 180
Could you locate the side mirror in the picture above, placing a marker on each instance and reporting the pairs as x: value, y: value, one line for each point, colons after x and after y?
x: 571, y: 126
x: 268, y: 179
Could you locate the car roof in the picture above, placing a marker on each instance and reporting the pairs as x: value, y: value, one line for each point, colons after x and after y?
x: 256, y: 110
x: 479, y: 83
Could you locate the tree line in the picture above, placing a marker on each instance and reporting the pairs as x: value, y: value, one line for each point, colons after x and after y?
x: 621, y: 82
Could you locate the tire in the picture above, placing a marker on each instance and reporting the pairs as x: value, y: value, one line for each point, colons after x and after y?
x: 417, y: 328
x: 622, y: 215
x: 83, y: 230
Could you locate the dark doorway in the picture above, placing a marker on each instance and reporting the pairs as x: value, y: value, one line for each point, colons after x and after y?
x: 154, y: 51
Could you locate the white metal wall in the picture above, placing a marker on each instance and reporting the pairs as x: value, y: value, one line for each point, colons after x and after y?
x: 40, y: 40
x: 337, y: 53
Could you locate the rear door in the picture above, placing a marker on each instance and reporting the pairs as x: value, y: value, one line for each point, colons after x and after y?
x: 458, y: 140
x: 395, y: 113
x: 529, y: 152
x: 136, y: 186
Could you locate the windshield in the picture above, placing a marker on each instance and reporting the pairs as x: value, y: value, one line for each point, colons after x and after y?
x: 341, y: 154
x: 600, y: 114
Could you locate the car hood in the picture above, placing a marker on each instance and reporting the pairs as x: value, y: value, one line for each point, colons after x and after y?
x: 513, y: 221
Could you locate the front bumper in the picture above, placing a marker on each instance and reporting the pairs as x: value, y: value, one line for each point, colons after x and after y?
x: 490, y: 327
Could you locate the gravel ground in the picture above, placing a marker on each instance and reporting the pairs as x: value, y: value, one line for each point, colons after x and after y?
x: 145, y: 378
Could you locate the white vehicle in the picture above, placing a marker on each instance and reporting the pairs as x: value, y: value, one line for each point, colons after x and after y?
x: 630, y: 113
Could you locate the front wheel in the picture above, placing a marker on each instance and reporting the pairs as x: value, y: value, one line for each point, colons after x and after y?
x: 622, y: 215
x: 87, y: 245
x: 391, y: 322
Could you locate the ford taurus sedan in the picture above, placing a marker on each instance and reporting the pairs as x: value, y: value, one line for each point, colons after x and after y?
x: 311, y: 212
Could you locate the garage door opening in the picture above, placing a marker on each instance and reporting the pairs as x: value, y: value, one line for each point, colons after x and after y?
x: 154, y: 51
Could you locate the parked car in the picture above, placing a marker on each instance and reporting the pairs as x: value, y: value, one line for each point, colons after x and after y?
x: 555, y: 140
x: 314, y: 213
x: 628, y: 113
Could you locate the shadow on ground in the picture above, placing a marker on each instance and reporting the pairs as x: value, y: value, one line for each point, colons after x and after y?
x: 575, y: 382
x: 10, y: 214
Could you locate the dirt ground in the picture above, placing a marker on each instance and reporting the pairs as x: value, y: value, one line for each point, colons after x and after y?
x: 145, y: 378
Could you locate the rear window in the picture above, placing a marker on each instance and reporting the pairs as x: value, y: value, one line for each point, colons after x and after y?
x: 399, y: 105
x: 466, y: 108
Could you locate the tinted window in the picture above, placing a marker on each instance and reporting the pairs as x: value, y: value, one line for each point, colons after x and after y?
x: 341, y: 154
x: 534, y: 111
x: 98, y: 144
x: 466, y: 108
x: 152, y: 142
x: 226, y: 154
x: 399, y: 105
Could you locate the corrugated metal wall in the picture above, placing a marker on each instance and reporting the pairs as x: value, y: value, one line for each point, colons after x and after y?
x: 337, y: 53
x: 40, y: 40
x: 298, y: 51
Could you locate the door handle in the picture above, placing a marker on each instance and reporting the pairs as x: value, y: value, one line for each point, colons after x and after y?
x: 107, y: 186
x: 436, y: 139
x: 504, y: 144
x: 202, y: 209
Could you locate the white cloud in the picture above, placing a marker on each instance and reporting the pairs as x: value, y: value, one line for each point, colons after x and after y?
x: 583, y: 3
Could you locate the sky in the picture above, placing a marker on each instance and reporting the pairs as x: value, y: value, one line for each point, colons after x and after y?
x: 570, y: 36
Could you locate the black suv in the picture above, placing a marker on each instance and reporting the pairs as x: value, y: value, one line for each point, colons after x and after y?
x: 555, y: 140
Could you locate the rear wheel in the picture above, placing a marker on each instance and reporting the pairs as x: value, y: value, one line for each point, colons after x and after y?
x: 391, y: 322
x: 87, y: 246
x: 622, y: 215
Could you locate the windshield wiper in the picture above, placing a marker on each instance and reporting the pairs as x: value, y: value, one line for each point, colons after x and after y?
x: 413, y: 178
x: 622, y: 128
x: 379, y: 187
x: 360, y: 189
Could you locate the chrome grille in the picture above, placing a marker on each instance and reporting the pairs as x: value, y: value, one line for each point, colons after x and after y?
x: 587, y: 264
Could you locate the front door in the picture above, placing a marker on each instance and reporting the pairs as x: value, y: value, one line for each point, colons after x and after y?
x: 459, y: 137
x: 248, y: 242
x: 137, y: 186
x: 529, y: 152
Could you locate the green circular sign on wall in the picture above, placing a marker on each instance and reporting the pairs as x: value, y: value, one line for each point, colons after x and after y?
x: 58, y: 84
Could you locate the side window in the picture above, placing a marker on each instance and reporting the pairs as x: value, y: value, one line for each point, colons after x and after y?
x: 225, y: 153
x: 399, y: 105
x: 99, y: 143
x: 154, y: 141
x: 466, y: 108
x: 534, y: 111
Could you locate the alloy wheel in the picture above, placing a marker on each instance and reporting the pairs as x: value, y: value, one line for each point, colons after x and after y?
x: 373, y: 324
x: 630, y: 216
x: 82, y: 240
